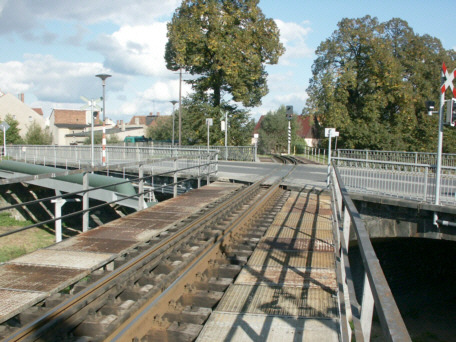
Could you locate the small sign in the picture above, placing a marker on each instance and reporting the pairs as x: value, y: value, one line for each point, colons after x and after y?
x: 4, y: 126
x: 331, y: 132
x: 223, y: 125
x: 209, y: 122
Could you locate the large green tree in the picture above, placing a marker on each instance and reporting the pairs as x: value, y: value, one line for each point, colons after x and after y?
x: 370, y: 81
x: 226, y: 45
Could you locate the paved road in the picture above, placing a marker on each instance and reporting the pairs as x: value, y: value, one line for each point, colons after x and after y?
x: 303, y: 175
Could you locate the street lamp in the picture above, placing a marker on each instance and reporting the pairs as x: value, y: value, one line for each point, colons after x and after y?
x: 174, y: 103
x: 103, y: 142
x: 103, y: 79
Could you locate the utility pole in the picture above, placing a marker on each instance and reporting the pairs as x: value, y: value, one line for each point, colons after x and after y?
x: 180, y: 106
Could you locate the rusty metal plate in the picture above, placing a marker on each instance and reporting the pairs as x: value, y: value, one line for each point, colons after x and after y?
x: 140, y: 224
x: 119, y: 233
x: 314, y: 245
x: 288, y: 232
x: 259, y: 328
x: 296, y: 276
x: 37, y: 278
x: 277, y: 257
x: 68, y: 259
x: 13, y: 302
x: 279, y: 301
x: 84, y: 243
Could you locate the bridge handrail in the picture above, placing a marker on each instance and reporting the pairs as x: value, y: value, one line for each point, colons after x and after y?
x: 376, y: 291
x: 448, y: 159
x: 204, y: 168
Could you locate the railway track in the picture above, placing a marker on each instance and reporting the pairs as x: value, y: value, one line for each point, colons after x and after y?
x: 162, y: 290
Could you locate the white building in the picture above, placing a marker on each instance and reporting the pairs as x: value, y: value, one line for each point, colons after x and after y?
x: 10, y: 104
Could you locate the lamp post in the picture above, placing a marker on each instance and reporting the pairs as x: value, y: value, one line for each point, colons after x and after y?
x: 174, y: 103
x: 103, y: 78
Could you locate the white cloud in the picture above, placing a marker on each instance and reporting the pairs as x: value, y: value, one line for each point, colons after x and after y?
x: 294, y: 36
x: 23, y: 16
x: 52, y: 80
x: 135, y: 49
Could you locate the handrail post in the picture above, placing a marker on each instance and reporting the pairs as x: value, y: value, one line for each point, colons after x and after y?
x: 85, y: 201
x: 175, y: 177
x: 367, y: 309
x: 141, y: 187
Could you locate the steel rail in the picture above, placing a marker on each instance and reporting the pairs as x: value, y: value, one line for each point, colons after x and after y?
x: 66, y: 309
x: 132, y: 326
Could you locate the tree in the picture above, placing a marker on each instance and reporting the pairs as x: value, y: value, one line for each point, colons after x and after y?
x: 370, y: 81
x: 227, y: 44
x: 196, y: 109
x: 162, y: 128
x: 12, y: 134
x: 273, y: 134
x: 37, y: 136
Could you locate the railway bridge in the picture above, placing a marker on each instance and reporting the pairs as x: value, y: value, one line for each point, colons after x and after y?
x: 259, y: 253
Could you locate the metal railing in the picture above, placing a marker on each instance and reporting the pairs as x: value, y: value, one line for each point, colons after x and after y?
x: 376, y: 292
x: 448, y: 159
x: 81, y: 155
x: 198, y: 167
x: 395, y: 179
x: 234, y: 153
x: 316, y: 154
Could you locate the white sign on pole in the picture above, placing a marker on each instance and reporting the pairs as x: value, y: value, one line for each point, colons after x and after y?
x: 223, y: 126
x: 329, y: 131
x: 209, y: 122
x: 4, y: 127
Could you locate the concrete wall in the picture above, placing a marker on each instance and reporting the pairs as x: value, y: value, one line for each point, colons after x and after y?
x: 385, y: 218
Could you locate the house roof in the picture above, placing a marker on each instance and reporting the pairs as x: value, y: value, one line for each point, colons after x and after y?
x: 305, y: 127
x: 38, y: 110
x: 141, y: 120
x: 71, y: 117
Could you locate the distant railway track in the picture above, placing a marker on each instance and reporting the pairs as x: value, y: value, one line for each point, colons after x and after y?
x: 172, y: 280
x: 286, y: 159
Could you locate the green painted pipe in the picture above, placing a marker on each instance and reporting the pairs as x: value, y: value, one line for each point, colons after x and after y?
x: 94, y: 180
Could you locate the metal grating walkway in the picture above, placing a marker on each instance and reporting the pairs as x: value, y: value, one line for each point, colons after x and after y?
x: 288, y: 289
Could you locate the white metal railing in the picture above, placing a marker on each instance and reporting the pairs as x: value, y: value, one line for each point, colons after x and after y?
x: 448, y: 159
x: 402, y: 180
x: 81, y: 156
x: 199, y: 166
x: 375, y: 291
x: 237, y: 153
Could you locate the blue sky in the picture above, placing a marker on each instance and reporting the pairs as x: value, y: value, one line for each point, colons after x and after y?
x: 52, y: 49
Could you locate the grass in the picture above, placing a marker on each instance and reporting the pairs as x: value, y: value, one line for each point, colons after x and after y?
x: 15, y: 245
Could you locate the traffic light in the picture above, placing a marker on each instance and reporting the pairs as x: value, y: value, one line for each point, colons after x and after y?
x: 451, y: 113
x: 289, y: 112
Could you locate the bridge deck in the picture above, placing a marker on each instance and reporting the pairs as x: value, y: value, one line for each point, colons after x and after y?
x: 288, y: 289
x: 22, y: 283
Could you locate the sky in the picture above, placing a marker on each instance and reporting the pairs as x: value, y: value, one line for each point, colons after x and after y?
x: 51, y: 50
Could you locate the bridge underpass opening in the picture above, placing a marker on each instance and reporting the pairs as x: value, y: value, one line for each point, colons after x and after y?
x: 422, y: 276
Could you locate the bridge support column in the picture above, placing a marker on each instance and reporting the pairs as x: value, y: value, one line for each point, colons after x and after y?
x: 85, y: 202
